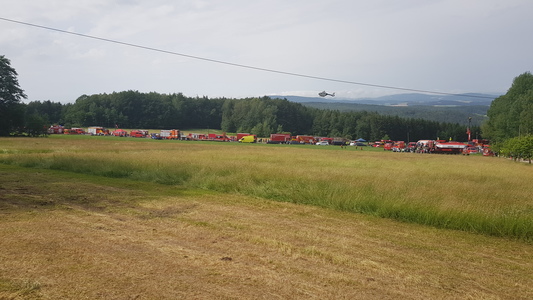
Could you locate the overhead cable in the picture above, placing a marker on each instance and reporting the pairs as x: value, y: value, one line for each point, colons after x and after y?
x: 241, y: 65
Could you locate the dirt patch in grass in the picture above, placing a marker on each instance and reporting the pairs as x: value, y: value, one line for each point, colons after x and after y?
x: 115, y: 240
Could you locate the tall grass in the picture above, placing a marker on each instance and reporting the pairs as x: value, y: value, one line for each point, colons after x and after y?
x: 477, y: 194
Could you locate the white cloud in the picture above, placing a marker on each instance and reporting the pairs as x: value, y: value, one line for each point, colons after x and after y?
x: 442, y: 45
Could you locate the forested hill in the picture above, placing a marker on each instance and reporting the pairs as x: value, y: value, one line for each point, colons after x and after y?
x: 440, y: 108
x: 411, y: 99
x: 260, y: 116
x: 451, y: 114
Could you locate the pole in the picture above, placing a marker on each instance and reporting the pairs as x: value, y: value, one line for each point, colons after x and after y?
x: 468, y: 131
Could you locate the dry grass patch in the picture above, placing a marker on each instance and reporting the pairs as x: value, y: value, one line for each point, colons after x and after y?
x: 127, y: 241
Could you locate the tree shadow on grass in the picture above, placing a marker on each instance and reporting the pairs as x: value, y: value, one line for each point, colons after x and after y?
x: 31, y: 190
x: 27, y: 191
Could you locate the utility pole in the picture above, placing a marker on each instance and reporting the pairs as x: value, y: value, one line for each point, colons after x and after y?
x: 468, y: 129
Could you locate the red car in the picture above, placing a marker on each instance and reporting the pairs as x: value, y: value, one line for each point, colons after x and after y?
x: 469, y: 150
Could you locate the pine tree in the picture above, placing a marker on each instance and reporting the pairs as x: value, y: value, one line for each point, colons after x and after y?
x: 11, y: 109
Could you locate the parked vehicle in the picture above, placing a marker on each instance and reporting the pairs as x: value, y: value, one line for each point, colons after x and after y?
x: 279, y: 138
x: 440, y: 147
x: 448, y: 147
x: 156, y: 136
x: 241, y: 135
x: 56, y: 129
x: 248, y: 139
x: 74, y: 131
x: 305, y: 139
x: 411, y: 147
x: 196, y: 137
x: 172, y: 134
x: 470, y: 150
x: 487, y: 151
x: 218, y: 137
x: 96, y: 130
x: 120, y: 132
x: 338, y: 141
x: 139, y: 133
x: 358, y: 144
x: 322, y: 143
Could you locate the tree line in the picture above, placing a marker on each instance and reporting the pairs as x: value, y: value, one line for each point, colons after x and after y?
x: 260, y: 116
x: 509, y: 125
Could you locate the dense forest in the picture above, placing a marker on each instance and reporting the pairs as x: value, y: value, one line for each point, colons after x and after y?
x: 449, y: 114
x: 261, y: 116
x: 511, y: 115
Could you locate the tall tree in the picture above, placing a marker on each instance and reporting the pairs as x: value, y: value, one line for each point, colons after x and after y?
x: 510, y: 114
x: 11, y: 110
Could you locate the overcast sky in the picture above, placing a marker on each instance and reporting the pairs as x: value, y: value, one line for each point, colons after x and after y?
x: 451, y: 46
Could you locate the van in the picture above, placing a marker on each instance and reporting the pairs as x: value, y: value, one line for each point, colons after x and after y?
x: 248, y: 139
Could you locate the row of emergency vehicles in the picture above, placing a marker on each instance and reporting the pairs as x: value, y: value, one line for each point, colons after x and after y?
x: 171, y: 134
x: 422, y: 146
x: 437, y: 146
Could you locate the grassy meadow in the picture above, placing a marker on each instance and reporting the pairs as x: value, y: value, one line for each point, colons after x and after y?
x: 124, y: 218
x: 471, y: 193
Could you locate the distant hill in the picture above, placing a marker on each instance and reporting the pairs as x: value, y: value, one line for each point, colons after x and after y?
x: 440, y: 108
x: 404, y: 99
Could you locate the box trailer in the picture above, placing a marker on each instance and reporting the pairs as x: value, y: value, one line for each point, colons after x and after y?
x: 279, y: 138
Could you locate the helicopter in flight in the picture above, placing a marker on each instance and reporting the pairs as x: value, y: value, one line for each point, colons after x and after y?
x: 324, y: 94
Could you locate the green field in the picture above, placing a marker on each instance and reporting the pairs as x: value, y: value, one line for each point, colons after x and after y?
x: 477, y: 194
x: 334, y: 222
